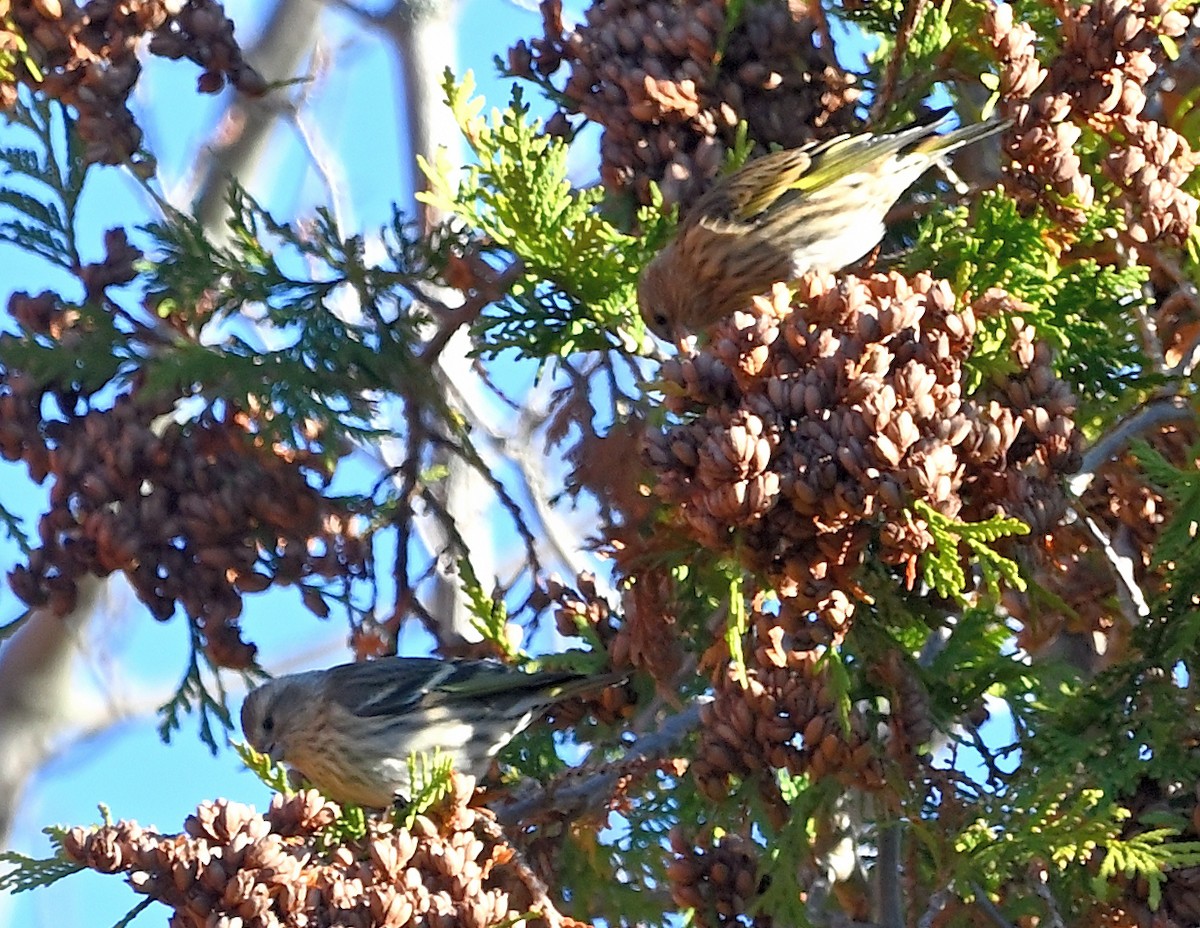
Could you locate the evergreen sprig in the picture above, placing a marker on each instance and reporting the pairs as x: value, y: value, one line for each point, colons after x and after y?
x: 619, y: 872
x: 431, y: 780
x: 1148, y: 856
x: 489, y: 614
x: 11, y: 523
x: 104, y: 355
x: 1175, y: 633
x: 326, y: 326
x: 44, y: 221
x: 1080, y: 307
x: 202, y: 692
x: 577, y: 289
x: 1127, y: 727
x: 975, y: 660
x: 1081, y: 833
x: 290, y: 318
x: 272, y: 775
x: 782, y: 894
x: 26, y: 873
x: 350, y: 824
x: 1062, y: 824
x: 942, y: 565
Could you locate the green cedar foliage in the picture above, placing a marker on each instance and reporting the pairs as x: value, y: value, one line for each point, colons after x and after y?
x: 43, y: 204
x: 579, y: 271
x: 1177, y: 549
x: 943, y: 569
x: 31, y: 873
x: 295, y: 281
x: 1082, y: 308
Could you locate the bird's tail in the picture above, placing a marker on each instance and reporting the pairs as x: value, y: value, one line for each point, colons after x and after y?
x: 848, y: 154
x: 571, y: 684
x: 937, y: 146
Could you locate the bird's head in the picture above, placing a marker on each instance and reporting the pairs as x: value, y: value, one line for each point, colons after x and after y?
x: 274, y: 716
x: 663, y: 300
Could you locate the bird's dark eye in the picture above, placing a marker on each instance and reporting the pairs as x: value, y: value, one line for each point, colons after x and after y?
x: 660, y: 321
x: 268, y: 724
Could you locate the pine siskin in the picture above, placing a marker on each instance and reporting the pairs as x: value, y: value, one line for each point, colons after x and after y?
x: 815, y: 208
x: 350, y: 729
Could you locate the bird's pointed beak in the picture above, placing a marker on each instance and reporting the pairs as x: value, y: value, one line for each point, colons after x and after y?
x: 684, y: 342
x: 275, y: 752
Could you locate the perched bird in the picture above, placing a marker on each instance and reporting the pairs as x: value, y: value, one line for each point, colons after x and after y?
x: 815, y: 208
x: 350, y: 729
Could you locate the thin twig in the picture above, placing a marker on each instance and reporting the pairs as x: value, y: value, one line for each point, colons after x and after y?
x: 1148, y: 417
x: 816, y: 13
x: 937, y: 902
x: 409, y: 468
x: 988, y: 908
x: 590, y: 792
x: 559, y: 540
x: 468, y: 453
x: 1133, y: 600
x: 1151, y: 340
x: 328, y: 168
x: 537, y: 889
x: 490, y: 286
x: 1054, y: 917
x: 887, y: 87
x: 489, y: 382
x: 970, y: 738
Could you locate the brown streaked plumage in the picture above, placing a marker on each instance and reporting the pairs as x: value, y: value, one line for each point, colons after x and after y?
x: 350, y: 729
x: 816, y: 208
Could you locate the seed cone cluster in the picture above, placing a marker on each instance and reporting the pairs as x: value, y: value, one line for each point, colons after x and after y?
x: 231, y: 866
x: 720, y: 880
x: 803, y: 435
x: 781, y: 718
x: 1111, y: 51
x: 910, y: 718
x: 86, y: 57
x: 652, y: 645
x: 806, y: 433
x: 576, y: 609
x: 195, y: 513
x: 670, y: 87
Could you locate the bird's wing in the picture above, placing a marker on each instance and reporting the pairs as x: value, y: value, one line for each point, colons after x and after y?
x: 751, y: 191
x: 510, y: 692
x: 387, y: 685
x: 395, y: 685
x: 845, y: 155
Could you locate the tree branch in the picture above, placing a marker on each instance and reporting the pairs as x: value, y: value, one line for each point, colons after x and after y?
x: 589, y: 792
x: 35, y: 685
x: 891, y: 894
x: 1150, y: 416
x: 988, y: 908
